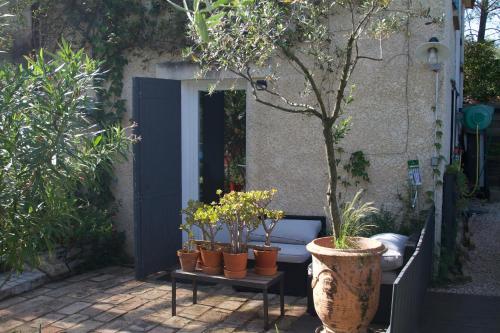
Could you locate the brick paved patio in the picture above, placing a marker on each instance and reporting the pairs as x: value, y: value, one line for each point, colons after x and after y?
x: 111, y: 300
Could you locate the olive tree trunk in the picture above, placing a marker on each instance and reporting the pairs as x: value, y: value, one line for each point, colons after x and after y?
x: 331, y: 193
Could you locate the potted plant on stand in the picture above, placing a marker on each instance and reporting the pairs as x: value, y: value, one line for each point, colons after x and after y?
x: 347, y: 273
x: 266, y: 256
x: 207, y: 220
x: 188, y: 255
x: 237, y: 210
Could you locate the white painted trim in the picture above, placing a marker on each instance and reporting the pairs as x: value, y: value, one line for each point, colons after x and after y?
x: 185, y: 71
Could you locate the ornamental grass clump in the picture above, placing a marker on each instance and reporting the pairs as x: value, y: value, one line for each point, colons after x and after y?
x: 354, y: 221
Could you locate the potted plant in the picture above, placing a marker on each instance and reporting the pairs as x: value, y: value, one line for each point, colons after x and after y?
x: 347, y: 273
x: 188, y: 255
x: 238, y: 212
x: 266, y: 256
x: 206, y: 218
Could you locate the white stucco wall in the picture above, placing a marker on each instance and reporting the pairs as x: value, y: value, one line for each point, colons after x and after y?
x: 393, y: 122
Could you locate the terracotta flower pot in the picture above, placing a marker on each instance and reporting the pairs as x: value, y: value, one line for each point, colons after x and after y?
x: 188, y: 260
x: 235, y: 264
x: 265, y: 261
x: 211, y: 261
x: 211, y: 258
x: 346, y: 283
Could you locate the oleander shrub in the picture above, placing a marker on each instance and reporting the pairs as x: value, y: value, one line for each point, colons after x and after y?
x: 56, y: 157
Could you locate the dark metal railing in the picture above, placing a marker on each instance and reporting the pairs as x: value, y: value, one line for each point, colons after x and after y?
x: 411, y: 284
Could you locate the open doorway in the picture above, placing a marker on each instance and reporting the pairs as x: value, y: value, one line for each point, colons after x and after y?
x: 222, y: 143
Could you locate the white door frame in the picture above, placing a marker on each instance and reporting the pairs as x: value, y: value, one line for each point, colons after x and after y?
x: 190, y: 109
x: 190, y: 106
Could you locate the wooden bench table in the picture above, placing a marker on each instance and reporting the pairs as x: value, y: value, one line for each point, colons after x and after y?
x: 251, y: 281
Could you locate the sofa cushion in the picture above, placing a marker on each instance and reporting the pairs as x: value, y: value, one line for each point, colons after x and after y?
x: 290, y: 231
x: 291, y: 253
x: 393, y: 258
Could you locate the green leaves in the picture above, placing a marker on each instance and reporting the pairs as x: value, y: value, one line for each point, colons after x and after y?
x: 481, y: 71
x: 54, y: 157
x: 354, y: 222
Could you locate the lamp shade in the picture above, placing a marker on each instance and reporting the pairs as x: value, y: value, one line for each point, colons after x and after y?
x: 422, y: 51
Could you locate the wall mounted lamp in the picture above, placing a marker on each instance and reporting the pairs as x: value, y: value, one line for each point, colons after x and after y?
x: 433, y: 54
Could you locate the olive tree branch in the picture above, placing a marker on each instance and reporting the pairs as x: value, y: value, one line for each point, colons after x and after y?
x: 304, y: 108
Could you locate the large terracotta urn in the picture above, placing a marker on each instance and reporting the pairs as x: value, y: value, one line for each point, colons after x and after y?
x: 346, y: 283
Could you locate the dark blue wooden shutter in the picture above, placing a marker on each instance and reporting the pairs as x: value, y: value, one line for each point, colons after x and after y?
x: 157, y: 174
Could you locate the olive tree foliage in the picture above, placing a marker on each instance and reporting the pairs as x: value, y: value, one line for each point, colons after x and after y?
x: 52, y: 156
x: 319, y: 39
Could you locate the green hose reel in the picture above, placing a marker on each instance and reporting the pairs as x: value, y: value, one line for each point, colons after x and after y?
x: 478, y: 117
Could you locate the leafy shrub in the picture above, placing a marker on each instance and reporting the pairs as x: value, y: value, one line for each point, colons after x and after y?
x: 481, y: 71
x: 55, y: 157
x: 381, y: 221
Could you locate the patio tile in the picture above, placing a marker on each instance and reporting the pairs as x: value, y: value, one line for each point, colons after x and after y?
x: 46, y: 320
x: 70, y: 321
x: 220, y: 329
x: 7, y: 325
x: 113, y: 326
x: 131, y: 304
x: 213, y: 316
x: 109, y: 315
x: 96, y: 309
x: 194, y: 327
x: 74, y: 308
x: 86, y: 326
x: 162, y: 329
x: 229, y: 305
x: 124, y: 287
x: 97, y: 297
x: 142, y: 326
x: 117, y: 299
x: 153, y: 294
x: 11, y: 301
x: 37, y: 292
x: 36, y: 307
x: 24, y: 329
x: 194, y: 311
x: 176, y: 322
x: 212, y: 300
x: 107, y: 302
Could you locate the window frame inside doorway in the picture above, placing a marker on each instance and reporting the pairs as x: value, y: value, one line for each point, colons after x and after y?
x: 190, y: 110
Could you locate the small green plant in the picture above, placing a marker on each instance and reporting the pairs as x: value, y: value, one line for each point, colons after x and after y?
x: 269, y: 218
x: 243, y: 212
x: 354, y: 222
x: 205, y: 217
x: 189, y: 245
x: 357, y: 167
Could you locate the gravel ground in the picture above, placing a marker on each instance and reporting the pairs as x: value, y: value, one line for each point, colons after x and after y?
x: 483, y: 264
